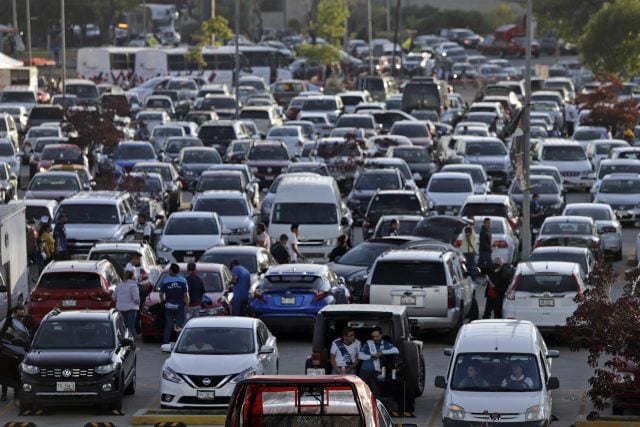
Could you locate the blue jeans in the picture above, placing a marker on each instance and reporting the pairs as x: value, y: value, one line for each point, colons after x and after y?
x: 485, y: 262
x: 130, y: 317
x: 171, y: 316
x: 239, y: 307
x: 470, y: 258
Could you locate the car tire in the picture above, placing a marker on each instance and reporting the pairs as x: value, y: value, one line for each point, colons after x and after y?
x: 131, y: 388
x: 453, y: 332
x: 411, y: 358
x: 616, y: 410
x: 422, y: 373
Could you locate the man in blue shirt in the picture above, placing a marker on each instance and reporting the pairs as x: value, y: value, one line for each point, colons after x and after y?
x: 372, y: 355
x: 174, y: 294
x: 241, y: 284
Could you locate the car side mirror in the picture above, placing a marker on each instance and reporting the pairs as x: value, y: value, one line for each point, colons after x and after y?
x: 126, y: 342
x: 553, y: 383
x: 267, y: 349
x: 167, y: 348
x: 441, y: 382
x: 448, y: 352
x: 552, y: 354
x: 344, y: 221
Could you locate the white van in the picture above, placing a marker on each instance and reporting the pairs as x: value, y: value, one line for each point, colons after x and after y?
x: 315, y: 204
x: 499, y: 372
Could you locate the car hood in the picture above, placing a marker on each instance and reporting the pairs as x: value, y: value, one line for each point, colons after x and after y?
x: 617, y: 199
x: 181, y: 242
x: 448, y: 199
x: 235, y: 221
x: 68, y: 358
x: 91, y: 231
x: 47, y: 194
x: 345, y: 270
x: 199, y: 364
x: 495, y: 402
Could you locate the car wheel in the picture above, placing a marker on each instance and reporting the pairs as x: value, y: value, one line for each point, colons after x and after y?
x: 411, y: 358
x: 616, y: 410
x: 421, y: 377
x: 131, y: 388
x: 453, y: 333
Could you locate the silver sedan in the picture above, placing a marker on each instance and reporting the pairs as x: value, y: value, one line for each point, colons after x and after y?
x: 609, y: 226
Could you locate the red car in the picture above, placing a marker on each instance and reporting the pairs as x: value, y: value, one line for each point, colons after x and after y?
x: 73, y: 285
x: 217, y: 280
x: 61, y: 153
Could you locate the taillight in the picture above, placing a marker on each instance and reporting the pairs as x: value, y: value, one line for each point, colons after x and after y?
x: 457, y: 243
x: 513, y: 222
x: 315, y: 359
x: 608, y: 229
x: 594, y: 245
x: 538, y: 243
x: 511, y: 293
x: 500, y: 244
x: 451, y: 297
x: 366, y: 294
x: 259, y: 296
x: 575, y: 280
x: 320, y: 295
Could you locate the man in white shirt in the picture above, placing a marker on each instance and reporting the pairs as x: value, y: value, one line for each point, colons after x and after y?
x: 570, y: 118
x: 344, y: 352
x: 292, y: 244
x: 517, y: 379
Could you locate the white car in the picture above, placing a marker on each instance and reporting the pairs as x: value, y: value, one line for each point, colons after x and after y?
x: 609, y: 166
x: 447, y: 192
x: 235, y: 212
x: 621, y: 191
x: 292, y: 136
x: 211, y: 355
x: 599, y: 149
x: 9, y: 155
x: 504, y: 242
x: 188, y: 235
x: 609, y: 227
x: 543, y: 292
x: 481, y: 182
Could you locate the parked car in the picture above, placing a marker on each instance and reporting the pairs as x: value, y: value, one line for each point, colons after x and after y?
x: 580, y: 231
x: 581, y: 256
x: 187, y: 235
x: 609, y: 226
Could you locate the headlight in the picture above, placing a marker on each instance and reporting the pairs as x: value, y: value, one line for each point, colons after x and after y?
x: 455, y: 412
x: 244, y: 374
x: 254, y: 170
x: 171, y: 375
x: 360, y: 277
x: 330, y: 242
x: 105, y: 369
x: 188, y: 172
x: 624, y: 377
x: 163, y: 248
x: 534, y: 413
x: 29, y: 369
x: 557, y: 206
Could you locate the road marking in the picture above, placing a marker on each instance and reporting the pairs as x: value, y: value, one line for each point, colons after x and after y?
x: 583, y: 403
x: 436, y: 412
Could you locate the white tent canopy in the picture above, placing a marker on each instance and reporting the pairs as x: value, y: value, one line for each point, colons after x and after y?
x: 9, y: 62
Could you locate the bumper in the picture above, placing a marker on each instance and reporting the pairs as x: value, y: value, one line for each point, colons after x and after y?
x: 239, y: 239
x: 313, y: 253
x: 38, y: 310
x: 612, y: 242
x: 448, y: 322
x: 447, y: 422
x: 628, y: 215
x: 88, y: 391
x: 577, y: 182
x: 288, y: 321
x: 185, y: 396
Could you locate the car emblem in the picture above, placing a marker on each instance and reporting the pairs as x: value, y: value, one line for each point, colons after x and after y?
x: 269, y: 170
x: 189, y: 252
x: 66, y: 373
x: 206, y: 381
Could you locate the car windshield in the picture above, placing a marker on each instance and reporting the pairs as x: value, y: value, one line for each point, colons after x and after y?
x: 374, y: 181
x: 620, y: 186
x: 327, y: 150
x: 305, y: 213
x: 82, y: 91
x: 288, y: 282
x: 395, y: 204
x: 215, y: 340
x: 219, y: 182
x: 589, y: 134
x: 411, y: 155
x: 409, y: 273
x: 133, y: 152
x: 191, y: 227
x: 268, y: 152
x: 175, y: 145
x: 609, y: 169
x: 570, y: 228
x: 578, y: 258
x: 563, y: 153
x: 476, y: 174
x: 283, y: 131
x: 212, y: 280
x: 223, y: 207
x: 8, y: 150
x: 74, y: 334
x: 43, y: 183
x: 495, y: 372
x: 89, y: 213
x: 71, y: 280
x: 319, y: 105
x: 596, y: 214
x: 410, y: 131
x: 364, y: 122
x: 605, y: 148
x: 548, y: 186
x: 364, y: 254
x: 60, y: 154
x: 43, y: 132
x: 248, y: 261
x: 450, y: 185
x: 151, y: 117
x: 218, y: 103
x: 167, y: 132
x: 407, y: 227
x: 546, y: 282
x: 200, y: 156
x: 217, y: 133
x: 121, y: 257
x: 485, y: 149
x: 163, y: 171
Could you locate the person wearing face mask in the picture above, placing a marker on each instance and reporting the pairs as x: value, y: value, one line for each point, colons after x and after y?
x: 499, y: 280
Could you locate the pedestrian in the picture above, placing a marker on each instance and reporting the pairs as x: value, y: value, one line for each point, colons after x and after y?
x: 468, y: 246
x: 536, y: 211
x: 15, y: 330
x: 127, y: 298
x: 241, y: 284
x: 280, y: 252
x: 174, y: 294
x: 372, y: 354
x: 499, y: 281
x: 292, y: 244
x: 570, y: 118
x: 344, y: 352
x: 47, y: 242
x: 484, y: 249
x: 143, y: 229
x: 341, y: 248
x: 195, y: 283
x: 262, y: 238
x: 394, y: 227
x: 60, y: 238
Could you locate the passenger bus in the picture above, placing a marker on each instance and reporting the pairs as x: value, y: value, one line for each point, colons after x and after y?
x: 115, y: 65
x: 267, y: 62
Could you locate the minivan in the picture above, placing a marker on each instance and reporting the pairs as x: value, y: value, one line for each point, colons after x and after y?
x: 499, y: 373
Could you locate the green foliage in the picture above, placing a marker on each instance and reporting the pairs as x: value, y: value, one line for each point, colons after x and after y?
x: 503, y: 14
x: 216, y: 28
x: 329, y: 20
x: 319, y: 53
x: 611, y: 39
x: 428, y: 19
x: 565, y: 18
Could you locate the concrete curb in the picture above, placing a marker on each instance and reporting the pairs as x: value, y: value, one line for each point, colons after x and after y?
x: 188, y: 417
x: 608, y: 421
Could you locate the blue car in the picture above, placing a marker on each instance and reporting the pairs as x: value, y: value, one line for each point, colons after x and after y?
x: 290, y: 296
x: 128, y: 153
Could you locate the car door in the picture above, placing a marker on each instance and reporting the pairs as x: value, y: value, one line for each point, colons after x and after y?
x: 13, y: 348
x: 125, y: 352
x: 268, y: 361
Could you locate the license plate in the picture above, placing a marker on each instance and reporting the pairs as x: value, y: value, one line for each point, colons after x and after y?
x: 68, y: 303
x: 288, y: 300
x: 206, y: 395
x: 269, y: 177
x: 315, y: 371
x: 189, y: 259
x: 546, y: 302
x: 448, y: 212
x: 408, y: 300
x: 65, y: 386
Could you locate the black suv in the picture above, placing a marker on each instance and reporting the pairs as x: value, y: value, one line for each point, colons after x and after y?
x: 393, y: 202
x: 79, y: 357
x: 409, y: 379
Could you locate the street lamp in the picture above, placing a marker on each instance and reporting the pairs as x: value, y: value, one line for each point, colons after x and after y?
x: 64, y: 47
x: 236, y: 75
x: 29, y: 32
x: 370, y: 37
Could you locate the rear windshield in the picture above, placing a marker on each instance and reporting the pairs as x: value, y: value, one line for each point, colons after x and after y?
x: 222, y: 206
x: 539, y: 187
x: 410, y: 130
x: 409, y: 273
x: 319, y: 105
x: 553, y: 283
x: 212, y: 280
x: 191, y: 227
x: 563, y: 153
x: 35, y: 213
x: 55, y: 114
x: 201, y: 156
x: 620, y: 186
x: 560, y: 256
x: 290, y: 282
x: 19, y: 97
x: 485, y: 149
x: 575, y: 228
x: 74, y: 334
x: 89, y: 213
x: 74, y: 280
x: 596, y: 214
x: 486, y: 209
x: 247, y: 261
x: 52, y: 182
x: 268, y: 152
x: 395, y: 204
x: 450, y: 185
x: 476, y: 174
x: 377, y: 181
x: 219, y: 182
x: 589, y: 135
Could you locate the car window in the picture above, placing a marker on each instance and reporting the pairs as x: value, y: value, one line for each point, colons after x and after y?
x: 70, y: 280
x: 263, y: 334
x: 74, y: 334
x: 409, y: 273
x: 551, y: 283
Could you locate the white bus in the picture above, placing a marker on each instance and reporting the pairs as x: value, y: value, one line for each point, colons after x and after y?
x: 267, y: 62
x: 115, y: 65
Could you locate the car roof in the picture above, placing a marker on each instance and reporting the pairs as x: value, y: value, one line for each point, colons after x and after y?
x: 84, y: 315
x: 221, y: 194
x: 458, y: 175
x: 535, y: 267
x: 297, y: 269
x: 364, y: 308
x: 83, y: 196
x: 221, y: 322
x: 559, y: 249
x: 487, y: 198
x: 497, y: 335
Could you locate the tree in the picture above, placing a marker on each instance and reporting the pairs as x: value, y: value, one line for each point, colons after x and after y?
x: 611, y: 39
x: 503, y: 14
x: 610, y: 332
x: 605, y: 107
x: 319, y: 53
x: 565, y: 18
x: 216, y: 28
x: 328, y: 20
